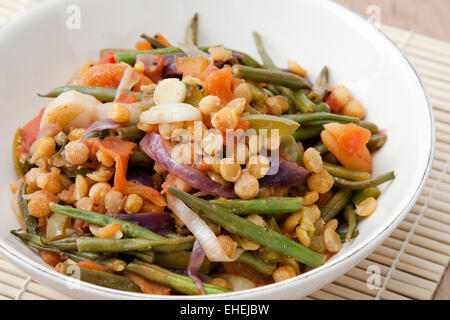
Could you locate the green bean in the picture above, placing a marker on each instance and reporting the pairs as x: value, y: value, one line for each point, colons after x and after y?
x: 304, y: 104
x: 272, y: 89
x: 321, y: 148
x: 322, y: 107
x: 344, y: 173
x: 350, y: 217
x: 273, y: 205
x: 72, y: 172
x: 363, y: 194
x: 268, y: 63
x: 30, y: 221
x: 129, y: 229
x: 376, y: 141
x: 61, y: 139
x: 130, y: 57
x: 337, y: 202
x: 342, y: 235
x: 190, y: 35
x: 305, y: 133
x: 92, y: 244
x: 250, y: 231
x: 180, y: 260
x: 102, y: 94
x: 256, y: 263
x: 320, y: 86
x: 155, y: 43
x: 258, y: 94
x: 372, y: 127
x: 285, y: 79
x: 268, y: 255
x: 139, y: 158
x: 99, y: 278
x: 129, y: 133
x: 358, y: 185
x: 18, y: 166
x: 175, y: 281
x: 320, y: 116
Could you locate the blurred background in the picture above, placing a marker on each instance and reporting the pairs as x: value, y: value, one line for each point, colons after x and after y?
x: 428, y: 17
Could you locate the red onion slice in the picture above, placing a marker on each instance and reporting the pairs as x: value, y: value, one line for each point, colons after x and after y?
x: 155, y: 147
x: 160, y: 223
x: 194, y: 265
x: 102, y: 125
x: 289, y: 175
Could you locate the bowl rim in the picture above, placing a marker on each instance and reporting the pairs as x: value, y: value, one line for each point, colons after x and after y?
x: 27, y: 263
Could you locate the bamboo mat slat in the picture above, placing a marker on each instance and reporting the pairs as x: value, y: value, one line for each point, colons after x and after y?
x: 414, y: 258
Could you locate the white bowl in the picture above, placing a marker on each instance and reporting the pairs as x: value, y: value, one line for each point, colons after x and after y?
x: 40, y: 51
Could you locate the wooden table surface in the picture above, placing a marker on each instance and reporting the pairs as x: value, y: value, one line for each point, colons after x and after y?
x: 427, y: 17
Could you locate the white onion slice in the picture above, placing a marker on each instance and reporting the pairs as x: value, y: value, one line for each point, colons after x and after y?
x: 129, y: 79
x: 201, y: 231
x: 171, y: 112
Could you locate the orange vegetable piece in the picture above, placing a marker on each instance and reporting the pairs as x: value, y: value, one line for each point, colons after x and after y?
x: 348, y: 144
x: 243, y: 124
x: 50, y: 258
x: 155, y: 68
x: 144, y: 192
x: 143, y: 45
x: 162, y: 39
x: 120, y: 151
x: 108, y: 57
x: 147, y: 286
x: 106, y: 75
x: 29, y: 132
x: 192, y: 66
x: 91, y: 265
x: 127, y: 98
x: 220, y: 83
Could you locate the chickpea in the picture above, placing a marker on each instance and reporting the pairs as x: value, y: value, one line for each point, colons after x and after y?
x: 98, y: 192
x: 283, y: 273
x: 332, y: 224
x: 114, y: 201
x: 277, y: 104
x: 294, y: 67
x: 227, y: 244
x: 85, y: 203
x: 246, y: 187
x: 209, y: 104
x: 366, y: 207
x: 212, y: 143
x: 230, y: 170
x: 81, y: 187
x: 50, y: 181
x: 292, y: 221
x: 243, y: 91
x: 225, y: 119
x: 258, y: 166
x: 257, y: 219
x: 354, y: 108
x: 147, y: 127
x: 104, y: 159
x: 220, y: 53
x: 67, y: 195
x: 110, y: 231
x: 39, y: 204
x: 312, y: 160
x: 320, y: 182
x: 166, y: 129
x: 76, y: 134
x: 310, y: 197
x: 237, y: 105
x: 302, y: 236
x: 45, y: 148
x: 271, y: 142
x: 133, y: 203
x: 248, y: 245
x: 292, y: 263
x: 102, y: 174
x: 331, y: 240
x: 76, y: 153
x: 220, y: 282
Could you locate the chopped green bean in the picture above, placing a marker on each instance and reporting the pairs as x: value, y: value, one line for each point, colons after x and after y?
x: 320, y: 86
x: 30, y: 221
x: 256, y: 263
x: 305, y: 133
x: 190, y: 35
x: 335, y: 205
x: 344, y: 173
x: 319, y: 116
x: 363, y: 194
x: 250, y: 231
x: 155, y: 43
x: 100, y: 93
x: 322, y: 107
x: 129, y: 229
x: 274, y: 205
x: 350, y: 217
x: 304, y: 105
x: 175, y: 281
x: 358, y: 185
x: 376, y: 141
x: 180, y: 260
x: 372, y: 127
x: 285, y: 79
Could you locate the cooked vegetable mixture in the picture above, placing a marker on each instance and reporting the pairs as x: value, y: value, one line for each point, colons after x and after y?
x: 193, y: 170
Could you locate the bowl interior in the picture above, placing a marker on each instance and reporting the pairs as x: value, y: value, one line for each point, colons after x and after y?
x: 41, y: 49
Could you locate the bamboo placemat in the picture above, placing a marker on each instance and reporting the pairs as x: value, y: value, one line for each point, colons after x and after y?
x: 414, y: 258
